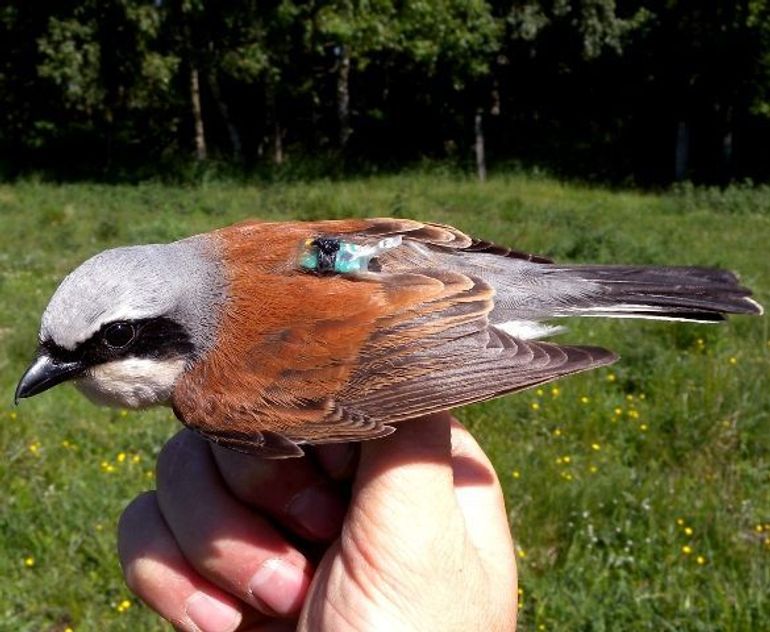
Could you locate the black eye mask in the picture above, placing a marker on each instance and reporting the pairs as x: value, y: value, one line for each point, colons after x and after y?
x: 154, y: 338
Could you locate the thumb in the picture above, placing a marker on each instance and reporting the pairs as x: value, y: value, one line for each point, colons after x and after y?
x: 403, y: 495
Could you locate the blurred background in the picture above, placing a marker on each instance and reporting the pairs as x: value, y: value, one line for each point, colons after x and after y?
x: 604, y: 131
x: 628, y: 91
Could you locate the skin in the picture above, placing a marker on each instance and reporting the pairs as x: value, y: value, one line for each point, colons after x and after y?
x: 408, y: 532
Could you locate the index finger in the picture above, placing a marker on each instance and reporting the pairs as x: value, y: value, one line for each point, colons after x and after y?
x: 224, y: 540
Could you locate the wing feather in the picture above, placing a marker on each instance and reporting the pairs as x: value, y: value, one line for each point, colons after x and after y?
x: 305, y: 358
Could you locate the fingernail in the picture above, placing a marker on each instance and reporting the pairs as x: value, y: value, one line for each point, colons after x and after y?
x: 318, y: 511
x: 211, y: 615
x: 279, y: 585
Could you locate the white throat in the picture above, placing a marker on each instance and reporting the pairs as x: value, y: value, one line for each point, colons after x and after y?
x: 132, y: 382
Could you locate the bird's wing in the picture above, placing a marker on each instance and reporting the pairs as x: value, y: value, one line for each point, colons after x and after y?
x: 341, y: 357
x: 444, y: 353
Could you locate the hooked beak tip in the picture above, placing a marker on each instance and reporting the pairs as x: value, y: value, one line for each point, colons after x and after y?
x: 45, y: 372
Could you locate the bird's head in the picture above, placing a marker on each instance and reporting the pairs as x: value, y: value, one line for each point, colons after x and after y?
x: 126, y: 323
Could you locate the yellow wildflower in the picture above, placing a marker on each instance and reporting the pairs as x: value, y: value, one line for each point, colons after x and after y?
x: 535, y: 406
x: 136, y: 458
x: 34, y: 447
x: 759, y: 528
x: 12, y: 414
x: 29, y: 561
x: 618, y: 412
x: 539, y: 392
x: 522, y: 554
x: 567, y: 459
x: 516, y: 474
x: 555, y: 391
x: 688, y: 530
x: 687, y: 549
x: 123, y: 605
x: 629, y: 397
x: 701, y: 560
x: 557, y: 432
x: 643, y: 427
x: 584, y: 399
x: 680, y: 521
x: 596, y: 447
x: 121, y: 457
x: 611, y: 377
x: 593, y: 469
x: 733, y: 360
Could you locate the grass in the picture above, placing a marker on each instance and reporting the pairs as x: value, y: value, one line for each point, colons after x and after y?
x: 639, y: 495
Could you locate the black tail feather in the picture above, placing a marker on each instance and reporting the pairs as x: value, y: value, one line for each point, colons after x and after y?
x: 698, y: 294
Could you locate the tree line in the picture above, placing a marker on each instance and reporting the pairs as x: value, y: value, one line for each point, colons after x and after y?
x: 645, y: 92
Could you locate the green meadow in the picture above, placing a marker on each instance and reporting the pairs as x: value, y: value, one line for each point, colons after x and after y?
x: 639, y: 494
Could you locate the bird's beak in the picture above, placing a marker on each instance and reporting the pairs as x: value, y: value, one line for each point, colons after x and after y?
x: 44, y: 373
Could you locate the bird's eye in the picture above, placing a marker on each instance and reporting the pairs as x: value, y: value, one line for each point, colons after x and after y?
x: 118, y: 335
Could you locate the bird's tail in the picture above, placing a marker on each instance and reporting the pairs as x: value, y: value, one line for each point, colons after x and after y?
x: 675, y: 293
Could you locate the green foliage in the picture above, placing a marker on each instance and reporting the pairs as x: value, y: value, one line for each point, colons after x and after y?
x: 596, y: 22
x: 597, y: 474
x: 597, y: 88
x: 71, y: 60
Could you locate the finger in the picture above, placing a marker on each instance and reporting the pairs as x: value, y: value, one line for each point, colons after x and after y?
x: 404, y: 491
x: 417, y: 455
x: 158, y: 574
x: 479, y: 494
x: 292, y: 491
x: 223, y: 539
x: 338, y: 460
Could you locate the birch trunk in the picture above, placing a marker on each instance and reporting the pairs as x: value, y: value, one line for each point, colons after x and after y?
x: 682, y: 151
x: 481, y: 160
x: 275, y: 124
x: 195, y: 104
x: 343, y: 97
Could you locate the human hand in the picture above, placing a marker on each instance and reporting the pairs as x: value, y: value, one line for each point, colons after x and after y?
x: 420, y: 542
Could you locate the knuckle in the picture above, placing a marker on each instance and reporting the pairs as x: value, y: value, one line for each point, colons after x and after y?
x: 138, y: 549
x: 175, y: 454
x: 139, y: 575
x: 135, y: 509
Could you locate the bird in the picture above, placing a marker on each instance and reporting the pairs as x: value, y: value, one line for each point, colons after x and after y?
x: 268, y: 337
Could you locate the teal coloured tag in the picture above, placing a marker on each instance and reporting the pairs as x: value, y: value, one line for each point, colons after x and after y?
x: 343, y: 257
x: 351, y: 258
